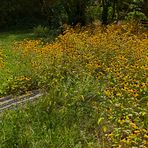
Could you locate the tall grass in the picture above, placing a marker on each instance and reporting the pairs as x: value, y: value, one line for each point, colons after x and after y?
x: 96, y: 80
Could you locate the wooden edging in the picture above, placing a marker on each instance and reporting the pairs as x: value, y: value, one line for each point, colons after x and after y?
x: 11, y: 102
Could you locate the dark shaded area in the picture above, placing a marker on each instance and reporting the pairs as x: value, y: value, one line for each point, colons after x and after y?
x: 20, y: 13
x: 24, y: 14
x: 105, y: 6
x: 75, y: 11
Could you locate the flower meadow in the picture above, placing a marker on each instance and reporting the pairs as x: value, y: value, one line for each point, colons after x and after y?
x: 96, y: 78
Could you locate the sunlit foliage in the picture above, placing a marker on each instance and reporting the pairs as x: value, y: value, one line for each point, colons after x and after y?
x: 116, y: 55
x: 115, y: 58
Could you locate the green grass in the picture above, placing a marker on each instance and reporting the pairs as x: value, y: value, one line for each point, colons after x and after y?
x: 7, y: 38
x: 49, y: 122
x: 54, y: 121
x: 60, y: 119
x: 12, y: 67
x: 74, y: 114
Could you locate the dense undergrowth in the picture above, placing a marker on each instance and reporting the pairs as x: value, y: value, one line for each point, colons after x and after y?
x: 96, y: 78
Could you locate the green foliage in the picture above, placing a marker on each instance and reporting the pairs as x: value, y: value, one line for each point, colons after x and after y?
x: 12, y: 70
x: 55, y: 13
x: 136, y: 15
x: 19, y: 85
x: 41, y: 31
x: 93, y: 13
x: 95, y: 84
x: 74, y: 114
x: 50, y: 123
x: 75, y: 11
x: 13, y: 12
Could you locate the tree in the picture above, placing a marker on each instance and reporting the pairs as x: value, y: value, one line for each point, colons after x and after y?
x: 123, y: 8
x: 49, y: 9
x: 145, y: 7
x: 75, y: 10
x: 105, y: 7
x: 13, y: 12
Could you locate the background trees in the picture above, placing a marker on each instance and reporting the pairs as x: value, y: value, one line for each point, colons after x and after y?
x: 58, y: 12
x: 123, y: 9
x: 75, y: 11
x: 14, y: 12
x: 145, y: 7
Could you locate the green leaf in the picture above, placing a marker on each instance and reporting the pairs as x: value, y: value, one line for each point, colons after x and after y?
x: 99, y: 120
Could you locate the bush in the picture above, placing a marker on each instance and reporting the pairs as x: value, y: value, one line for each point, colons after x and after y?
x: 41, y: 31
x: 136, y: 15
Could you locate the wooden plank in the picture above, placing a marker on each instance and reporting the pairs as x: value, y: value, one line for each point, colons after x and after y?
x: 10, y: 101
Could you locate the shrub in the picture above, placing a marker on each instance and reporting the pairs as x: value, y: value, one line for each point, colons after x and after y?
x: 41, y: 31
x: 136, y: 15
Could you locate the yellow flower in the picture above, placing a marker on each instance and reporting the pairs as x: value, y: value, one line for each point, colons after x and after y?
x: 146, y: 136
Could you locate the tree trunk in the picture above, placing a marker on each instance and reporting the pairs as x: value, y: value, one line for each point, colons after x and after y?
x: 114, y: 9
x: 75, y: 11
x: 145, y: 7
x: 105, y: 12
